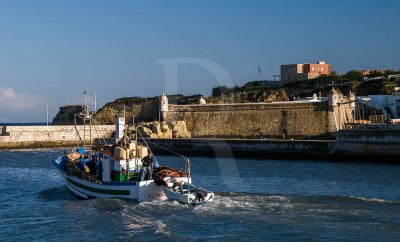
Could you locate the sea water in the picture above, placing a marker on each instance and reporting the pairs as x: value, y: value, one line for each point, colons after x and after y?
x: 256, y: 199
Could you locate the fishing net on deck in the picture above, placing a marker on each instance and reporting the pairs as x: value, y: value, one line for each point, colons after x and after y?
x: 163, y: 171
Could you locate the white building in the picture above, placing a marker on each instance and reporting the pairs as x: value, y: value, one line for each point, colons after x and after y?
x: 385, y: 102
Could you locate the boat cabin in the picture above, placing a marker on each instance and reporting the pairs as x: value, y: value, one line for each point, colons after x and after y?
x: 115, y: 162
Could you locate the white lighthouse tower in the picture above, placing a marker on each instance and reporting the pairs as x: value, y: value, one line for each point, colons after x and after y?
x: 163, y: 106
x: 333, y: 98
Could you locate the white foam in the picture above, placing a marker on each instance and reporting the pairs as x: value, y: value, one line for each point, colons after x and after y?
x: 162, y: 228
x: 376, y: 200
x: 243, y: 204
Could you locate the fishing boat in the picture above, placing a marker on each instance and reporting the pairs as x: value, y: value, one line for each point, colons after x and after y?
x: 114, y: 170
x: 103, y: 173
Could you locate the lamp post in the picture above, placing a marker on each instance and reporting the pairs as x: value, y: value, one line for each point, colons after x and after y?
x: 47, y: 111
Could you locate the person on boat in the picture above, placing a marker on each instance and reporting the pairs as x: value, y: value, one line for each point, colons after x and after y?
x: 173, y: 183
x: 147, y: 166
x: 168, y: 182
x: 201, y: 194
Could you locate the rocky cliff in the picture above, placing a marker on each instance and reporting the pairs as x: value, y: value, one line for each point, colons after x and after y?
x: 66, y: 115
x: 144, y: 109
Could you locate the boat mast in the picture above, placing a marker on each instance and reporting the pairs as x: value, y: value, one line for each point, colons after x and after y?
x: 90, y: 130
x: 84, y: 121
x: 136, y: 145
x: 125, y: 142
x: 188, y: 168
x: 86, y: 116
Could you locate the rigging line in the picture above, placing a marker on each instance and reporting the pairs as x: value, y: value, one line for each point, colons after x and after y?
x: 76, y: 129
x: 95, y: 128
x: 173, y: 152
x: 146, y: 145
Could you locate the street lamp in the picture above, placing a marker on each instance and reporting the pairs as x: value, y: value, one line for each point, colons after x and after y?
x: 47, y: 111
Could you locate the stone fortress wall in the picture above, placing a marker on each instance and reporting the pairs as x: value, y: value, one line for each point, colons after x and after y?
x: 295, y: 119
x: 258, y: 120
x: 287, y: 120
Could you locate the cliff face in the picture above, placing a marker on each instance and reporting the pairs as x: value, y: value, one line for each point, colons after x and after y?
x: 144, y: 109
x: 66, y: 115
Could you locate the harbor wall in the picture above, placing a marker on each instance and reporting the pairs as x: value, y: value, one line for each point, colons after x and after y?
x: 375, y: 144
x: 49, y: 136
x: 245, y: 147
x: 377, y: 141
x: 355, y: 150
x: 255, y: 120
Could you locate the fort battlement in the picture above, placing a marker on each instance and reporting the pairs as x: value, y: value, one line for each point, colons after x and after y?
x: 300, y: 119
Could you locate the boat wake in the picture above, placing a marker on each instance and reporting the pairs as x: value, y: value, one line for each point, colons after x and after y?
x: 253, y: 204
x: 58, y: 193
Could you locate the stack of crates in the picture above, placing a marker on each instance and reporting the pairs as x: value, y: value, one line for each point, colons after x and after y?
x: 142, y: 151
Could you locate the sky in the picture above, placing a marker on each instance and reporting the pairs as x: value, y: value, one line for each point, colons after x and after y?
x: 59, y: 49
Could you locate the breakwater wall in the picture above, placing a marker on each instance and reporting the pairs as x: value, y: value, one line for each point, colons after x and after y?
x: 377, y: 145
x: 299, y: 120
x: 365, y: 142
x: 245, y: 147
x: 352, y: 145
x: 49, y: 136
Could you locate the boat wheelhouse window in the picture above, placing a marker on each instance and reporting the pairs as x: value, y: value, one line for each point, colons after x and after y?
x: 105, y: 157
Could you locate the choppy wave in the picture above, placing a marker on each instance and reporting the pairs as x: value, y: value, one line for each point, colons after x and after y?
x: 302, y: 201
x: 353, y: 199
x: 36, y: 150
x: 162, y: 228
x: 59, y: 193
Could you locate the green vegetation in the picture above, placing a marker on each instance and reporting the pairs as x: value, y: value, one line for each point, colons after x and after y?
x: 382, y: 73
x: 354, y: 76
x: 256, y: 91
x: 353, y: 80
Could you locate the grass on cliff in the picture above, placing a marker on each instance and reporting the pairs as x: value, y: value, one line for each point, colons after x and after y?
x: 258, y: 90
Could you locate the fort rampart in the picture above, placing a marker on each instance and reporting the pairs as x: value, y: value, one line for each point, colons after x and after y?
x: 255, y: 120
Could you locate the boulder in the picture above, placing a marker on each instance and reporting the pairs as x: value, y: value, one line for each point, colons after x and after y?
x: 181, y: 134
x: 164, y: 130
x: 145, y: 131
